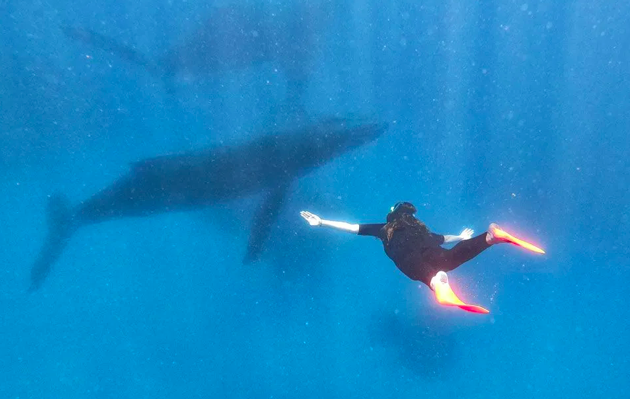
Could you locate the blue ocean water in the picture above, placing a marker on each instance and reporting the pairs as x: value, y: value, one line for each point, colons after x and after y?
x: 507, y: 112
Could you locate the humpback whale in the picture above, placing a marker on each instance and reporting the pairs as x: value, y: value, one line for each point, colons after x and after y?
x: 195, y: 180
x: 233, y: 38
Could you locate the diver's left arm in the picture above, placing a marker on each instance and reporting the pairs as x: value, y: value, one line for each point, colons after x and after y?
x: 466, y: 234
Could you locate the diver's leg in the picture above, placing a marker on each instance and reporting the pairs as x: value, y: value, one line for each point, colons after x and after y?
x: 463, y: 252
x: 439, y: 260
x: 445, y: 260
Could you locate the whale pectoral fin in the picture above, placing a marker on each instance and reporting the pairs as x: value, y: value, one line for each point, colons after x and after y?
x: 61, y: 225
x: 107, y: 44
x: 263, y: 220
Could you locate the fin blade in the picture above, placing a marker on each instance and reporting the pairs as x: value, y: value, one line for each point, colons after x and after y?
x: 474, y: 309
x: 500, y: 233
x: 445, y: 296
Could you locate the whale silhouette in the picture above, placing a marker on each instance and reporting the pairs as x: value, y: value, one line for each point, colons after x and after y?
x: 195, y: 180
x: 232, y: 38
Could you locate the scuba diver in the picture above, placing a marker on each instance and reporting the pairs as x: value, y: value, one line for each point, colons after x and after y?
x: 418, y: 252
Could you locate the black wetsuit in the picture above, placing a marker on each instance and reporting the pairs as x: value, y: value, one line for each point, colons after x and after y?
x: 419, y: 254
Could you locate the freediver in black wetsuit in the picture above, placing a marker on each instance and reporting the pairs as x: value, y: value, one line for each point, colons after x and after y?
x: 417, y: 252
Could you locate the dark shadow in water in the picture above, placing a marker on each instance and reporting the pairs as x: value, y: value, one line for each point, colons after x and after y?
x: 424, y: 347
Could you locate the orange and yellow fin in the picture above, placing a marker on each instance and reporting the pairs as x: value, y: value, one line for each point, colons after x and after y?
x: 501, y: 234
x: 445, y: 296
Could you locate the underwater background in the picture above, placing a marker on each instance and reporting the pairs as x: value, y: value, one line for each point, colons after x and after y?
x: 507, y: 112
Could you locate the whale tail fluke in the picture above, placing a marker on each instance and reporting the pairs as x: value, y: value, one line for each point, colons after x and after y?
x: 60, y: 229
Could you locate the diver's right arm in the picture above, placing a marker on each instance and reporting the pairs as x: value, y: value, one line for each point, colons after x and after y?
x: 315, y: 220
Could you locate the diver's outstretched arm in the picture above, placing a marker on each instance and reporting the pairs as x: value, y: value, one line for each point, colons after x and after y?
x: 315, y: 220
x: 466, y: 234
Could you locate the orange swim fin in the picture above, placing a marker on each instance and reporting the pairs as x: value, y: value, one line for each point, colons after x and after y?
x: 445, y: 295
x: 503, y: 236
